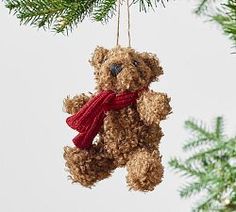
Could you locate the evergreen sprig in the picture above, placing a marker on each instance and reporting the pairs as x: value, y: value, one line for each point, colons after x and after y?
x: 202, y: 6
x: 64, y: 15
x: 210, y: 167
x: 105, y: 10
x: 60, y: 15
x: 227, y: 19
x: 221, y: 12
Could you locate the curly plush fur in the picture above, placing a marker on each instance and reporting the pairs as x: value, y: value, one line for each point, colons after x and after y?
x: 129, y: 137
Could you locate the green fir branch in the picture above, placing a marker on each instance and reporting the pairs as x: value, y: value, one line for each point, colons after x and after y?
x: 60, y: 15
x: 63, y: 16
x: 184, y: 168
x: 199, y: 129
x: 203, y: 154
x: 209, y: 169
x: 105, y: 10
x: 207, y: 204
x: 201, y: 7
x: 223, y: 145
x: 221, y: 12
x: 226, y: 18
x: 192, y: 188
x: 192, y: 144
x: 145, y: 5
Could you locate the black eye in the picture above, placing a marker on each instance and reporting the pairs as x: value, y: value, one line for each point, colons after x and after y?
x: 135, y: 63
x: 105, y: 59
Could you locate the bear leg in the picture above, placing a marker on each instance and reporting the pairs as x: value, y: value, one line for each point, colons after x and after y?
x: 88, y: 166
x: 145, y: 170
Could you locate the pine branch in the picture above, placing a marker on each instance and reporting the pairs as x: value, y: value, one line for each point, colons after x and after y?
x: 203, y: 154
x: 199, y: 129
x: 203, y: 135
x: 211, y: 151
x: 227, y: 19
x: 185, y: 169
x: 61, y: 15
x: 64, y: 15
x: 74, y: 15
x: 192, y: 188
x: 105, y: 10
x: 223, y: 14
x: 206, y: 205
x: 201, y: 7
x: 145, y: 5
x: 192, y: 144
x: 210, y: 167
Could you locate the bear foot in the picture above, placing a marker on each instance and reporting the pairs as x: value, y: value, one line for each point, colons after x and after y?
x: 87, y: 166
x: 145, y: 170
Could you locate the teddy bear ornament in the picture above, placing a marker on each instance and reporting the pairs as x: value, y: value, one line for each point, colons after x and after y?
x: 118, y: 125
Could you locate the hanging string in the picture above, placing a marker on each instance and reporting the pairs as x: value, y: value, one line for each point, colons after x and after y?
x: 118, y: 25
x: 128, y: 13
x: 128, y: 23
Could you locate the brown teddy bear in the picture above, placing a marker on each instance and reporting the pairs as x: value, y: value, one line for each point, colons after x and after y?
x: 125, y: 114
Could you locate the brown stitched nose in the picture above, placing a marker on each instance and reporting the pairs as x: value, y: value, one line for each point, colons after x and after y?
x: 115, y: 69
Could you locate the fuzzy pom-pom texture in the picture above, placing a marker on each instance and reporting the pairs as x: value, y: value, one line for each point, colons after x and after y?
x: 129, y: 137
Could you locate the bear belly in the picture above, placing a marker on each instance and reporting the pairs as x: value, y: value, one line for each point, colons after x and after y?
x: 124, y: 132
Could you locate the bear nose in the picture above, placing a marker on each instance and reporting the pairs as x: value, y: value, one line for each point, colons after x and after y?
x: 115, y: 69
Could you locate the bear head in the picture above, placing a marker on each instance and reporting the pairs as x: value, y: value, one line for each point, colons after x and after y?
x: 124, y: 69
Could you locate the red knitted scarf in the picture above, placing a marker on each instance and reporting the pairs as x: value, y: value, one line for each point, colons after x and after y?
x: 89, y: 119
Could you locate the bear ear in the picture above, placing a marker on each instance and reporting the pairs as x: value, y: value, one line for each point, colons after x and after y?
x: 153, y: 63
x: 98, y: 57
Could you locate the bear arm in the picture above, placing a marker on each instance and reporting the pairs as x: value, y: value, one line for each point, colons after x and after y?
x: 153, y: 107
x: 73, y: 105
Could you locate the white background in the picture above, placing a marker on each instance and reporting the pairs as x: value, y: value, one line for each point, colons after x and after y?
x: 38, y: 69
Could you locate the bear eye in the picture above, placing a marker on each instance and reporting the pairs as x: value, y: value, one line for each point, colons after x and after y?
x: 135, y: 63
x: 105, y: 59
